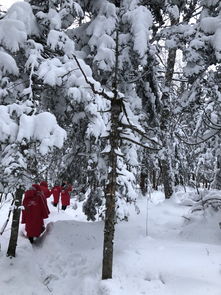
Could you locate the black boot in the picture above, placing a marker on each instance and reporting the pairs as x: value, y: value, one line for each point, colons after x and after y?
x: 54, y: 204
x: 31, y: 239
x: 63, y: 207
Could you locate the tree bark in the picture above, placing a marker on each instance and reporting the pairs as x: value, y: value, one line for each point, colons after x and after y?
x: 15, y: 223
x: 167, y: 179
x: 165, y: 117
x: 216, y: 184
x: 143, y: 183
x: 110, y: 195
x: 154, y: 180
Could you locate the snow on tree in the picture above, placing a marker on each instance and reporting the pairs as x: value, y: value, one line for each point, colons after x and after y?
x: 108, y: 71
x: 18, y: 129
x: 22, y: 136
x: 201, y: 98
x: 115, y: 46
x: 97, y: 38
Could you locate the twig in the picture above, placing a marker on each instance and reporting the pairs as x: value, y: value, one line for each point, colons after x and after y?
x: 102, y: 93
x: 7, y: 220
x: 140, y: 144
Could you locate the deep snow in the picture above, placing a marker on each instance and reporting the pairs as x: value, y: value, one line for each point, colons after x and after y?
x: 161, y: 251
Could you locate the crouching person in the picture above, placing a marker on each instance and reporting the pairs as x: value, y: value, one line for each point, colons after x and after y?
x: 35, y: 211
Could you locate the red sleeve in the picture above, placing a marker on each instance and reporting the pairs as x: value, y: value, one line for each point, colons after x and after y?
x: 69, y: 188
x: 28, y: 196
x: 47, y: 193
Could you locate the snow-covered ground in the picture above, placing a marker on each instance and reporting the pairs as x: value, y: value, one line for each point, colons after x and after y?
x: 161, y: 251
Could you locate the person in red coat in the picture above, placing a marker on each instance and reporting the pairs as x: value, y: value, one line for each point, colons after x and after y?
x: 65, y: 195
x: 56, y: 191
x: 44, y: 189
x: 35, y: 211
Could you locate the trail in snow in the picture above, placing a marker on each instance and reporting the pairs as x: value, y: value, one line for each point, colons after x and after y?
x: 69, y: 255
x: 178, y: 256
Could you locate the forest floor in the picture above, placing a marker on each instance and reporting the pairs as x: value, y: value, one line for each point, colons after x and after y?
x: 164, y: 250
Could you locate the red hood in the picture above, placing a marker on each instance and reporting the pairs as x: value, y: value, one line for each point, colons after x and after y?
x: 44, y: 183
x: 36, y: 186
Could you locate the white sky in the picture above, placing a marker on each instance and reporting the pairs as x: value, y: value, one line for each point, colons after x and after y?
x: 8, y: 3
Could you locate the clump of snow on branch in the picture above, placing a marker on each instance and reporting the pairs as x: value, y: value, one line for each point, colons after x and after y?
x: 99, y: 119
x: 73, y: 7
x: 212, y: 25
x: 8, y: 64
x: 8, y: 128
x: 51, y: 71
x: 140, y: 20
x: 52, y: 17
x: 34, y: 50
x: 127, y: 193
x: 60, y: 41
x: 18, y: 23
x: 22, y: 12
x: 100, y: 30
x: 42, y: 128
x: 55, y: 71
x: 12, y: 34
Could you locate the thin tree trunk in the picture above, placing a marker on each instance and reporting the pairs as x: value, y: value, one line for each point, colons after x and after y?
x: 165, y: 117
x: 1, y: 195
x: 167, y: 179
x: 110, y: 218
x: 15, y: 223
x: 143, y: 183
x: 110, y: 194
x: 154, y: 179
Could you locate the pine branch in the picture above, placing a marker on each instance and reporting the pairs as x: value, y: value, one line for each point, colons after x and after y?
x: 140, y: 144
x: 140, y: 132
x: 209, y: 126
x: 199, y: 142
x: 139, y: 77
x: 215, y: 126
x: 102, y: 93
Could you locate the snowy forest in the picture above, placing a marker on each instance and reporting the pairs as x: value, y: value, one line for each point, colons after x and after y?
x: 122, y: 99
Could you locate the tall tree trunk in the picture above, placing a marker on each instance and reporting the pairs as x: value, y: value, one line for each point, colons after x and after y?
x: 110, y: 195
x: 145, y: 170
x: 216, y: 184
x: 143, y: 182
x: 167, y: 179
x: 15, y: 222
x: 1, y: 195
x: 154, y: 179
x: 165, y: 117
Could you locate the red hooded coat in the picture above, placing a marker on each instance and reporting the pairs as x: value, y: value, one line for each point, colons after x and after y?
x: 65, y: 196
x: 36, y: 210
x: 44, y: 189
x: 56, y: 190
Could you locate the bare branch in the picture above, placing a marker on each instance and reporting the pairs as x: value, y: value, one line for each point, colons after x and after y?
x: 215, y: 126
x: 199, y: 142
x: 140, y: 144
x: 102, y: 93
x: 140, y: 132
x: 139, y: 77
